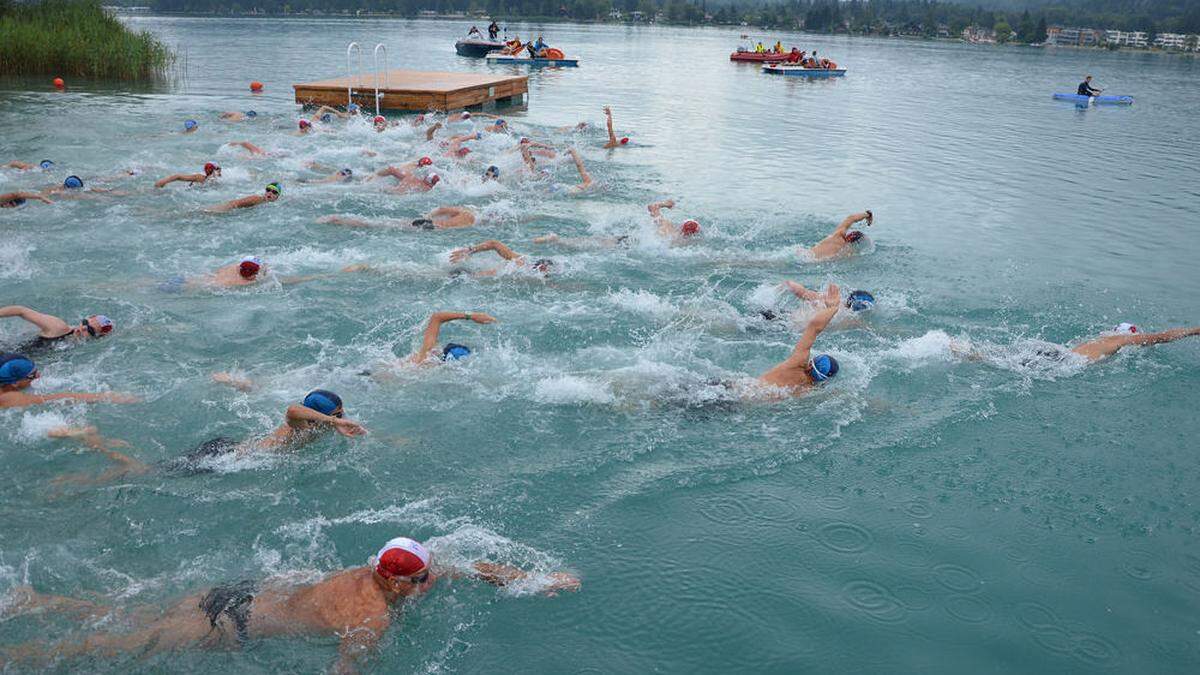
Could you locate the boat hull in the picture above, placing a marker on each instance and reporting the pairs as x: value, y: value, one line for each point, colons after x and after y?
x: 476, y: 48
x: 1097, y: 100
x: 754, y: 57
x: 796, y: 71
x: 533, y: 63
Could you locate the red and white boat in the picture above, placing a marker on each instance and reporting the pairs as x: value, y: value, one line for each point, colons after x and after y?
x: 755, y: 57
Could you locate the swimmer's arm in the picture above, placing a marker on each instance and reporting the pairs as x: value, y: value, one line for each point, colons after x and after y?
x: 432, y: 130
x: 26, y: 195
x: 490, y: 245
x: 249, y: 147
x: 525, y: 155
x: 612, y: 136
x: 236, y: 381
x: 1164, y: 336
x: 23, y: 166
x: 584, y: 176
x: 50, y: 325
x: 816, y: 325
x: 503, y: 575
x: 434, y: 328
x: 24, y: 399
x: 292, y: 281
x: 359, y: 643
x: 850, y: 220
x: 801, y: 292
x: 298, y: 413
x: 181, y: 177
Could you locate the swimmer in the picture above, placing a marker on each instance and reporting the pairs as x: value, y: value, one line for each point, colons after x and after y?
x: 53, y: 331
x: 17, y: 374
x: 44, y: 165
x: 11, y: 200
x: 800, y: 371
x: 321, y: 411
x: 839, y: 241
x: 856, y: 301
x: 407, y: 180
x: 190, y: 126
x: 305, y: 127
x: 326, y: 114
x: 90, y: 437
x: 491, y: 173
x: 613, y: 141
x: 270, y: 194
x: 450, y: 351
x: 577, y: 127
x: 355, y: 605
x: 73, y: 188
x: 536, y: 148
x: 210, y: 171
x: 543, y: 265
x: 497, y: 127
x: 235, y: 116
x: 248, y: 147
x: 341, y: 176
x: 585, y: 178
x: 441, y: 218
x: 668, y: 229
x: 621, y: 240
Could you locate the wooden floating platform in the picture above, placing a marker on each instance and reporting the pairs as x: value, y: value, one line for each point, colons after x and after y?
x: 415, y: 90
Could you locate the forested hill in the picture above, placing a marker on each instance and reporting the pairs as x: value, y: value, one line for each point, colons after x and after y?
x: 818, y: 15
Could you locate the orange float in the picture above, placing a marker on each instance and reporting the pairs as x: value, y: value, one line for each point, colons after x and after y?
x: 555, y: 53
x: 59, y: 84
x: 256, y: 86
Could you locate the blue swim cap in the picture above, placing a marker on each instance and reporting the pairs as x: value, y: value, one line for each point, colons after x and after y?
x: 493, y: 171
x: 189, y: 125
x: 858, y: 301
x: 251, y: 113
x: 823, y: 367
x: 353, y: 107
x: 46, y: 164
x: 454, y: 351
x: 73, y: 182
x: 327, y: 118
x: 324, y: 402
x: 14, y: 368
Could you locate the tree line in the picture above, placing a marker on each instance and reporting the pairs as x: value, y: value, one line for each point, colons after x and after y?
x: 909, y: 17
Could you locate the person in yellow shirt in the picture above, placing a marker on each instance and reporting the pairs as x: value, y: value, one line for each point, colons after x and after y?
x: 759, y: 49
x: 778, y: 46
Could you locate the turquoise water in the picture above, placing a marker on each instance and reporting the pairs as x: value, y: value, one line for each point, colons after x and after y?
x: 920, y: 514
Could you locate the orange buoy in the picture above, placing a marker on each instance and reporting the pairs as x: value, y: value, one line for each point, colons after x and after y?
x: 59, y: 84
x: 256, y: 86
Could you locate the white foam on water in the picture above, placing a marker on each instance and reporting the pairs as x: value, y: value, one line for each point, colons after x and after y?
x: 571, y: 389
x: 15, y: 260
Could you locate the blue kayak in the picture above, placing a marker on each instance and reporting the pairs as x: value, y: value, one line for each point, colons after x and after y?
x: 1098, y: 100
x: 535, y: 62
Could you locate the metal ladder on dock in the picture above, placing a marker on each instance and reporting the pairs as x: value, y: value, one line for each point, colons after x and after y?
x: 353, y: 74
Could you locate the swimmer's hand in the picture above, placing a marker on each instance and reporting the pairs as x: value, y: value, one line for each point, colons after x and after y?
x: 833, y: 296
x: 235, y: 381
x: 561, y: 581
x: 870, y: 217
x: 347, y: 427
x: 546, y: 239
x: 72, y: 432
x: 460, y: 254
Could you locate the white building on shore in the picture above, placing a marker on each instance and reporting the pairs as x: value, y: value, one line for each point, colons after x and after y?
x: 1179, y: 41
x: 1127, y: 38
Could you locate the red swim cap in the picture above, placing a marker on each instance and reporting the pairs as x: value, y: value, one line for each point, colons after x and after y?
x: 462, y: 152
x: 249, y: 267
x: 379, y: 119
x: 433, y: 179
x: 424, y: 161
x: 304, y: 124
x: 689, y: 228
x: 401, y: 557
x: 853, y: 236
x: 625, y: 140
x: 209, y: 168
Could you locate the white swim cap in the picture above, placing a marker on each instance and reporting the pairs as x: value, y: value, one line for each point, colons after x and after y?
x: 1126, y: 328
x: 401, y: 557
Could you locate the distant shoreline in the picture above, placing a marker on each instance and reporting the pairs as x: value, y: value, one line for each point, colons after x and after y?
x: 124, y: 11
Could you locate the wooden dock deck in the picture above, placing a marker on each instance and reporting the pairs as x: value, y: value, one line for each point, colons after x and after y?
x: 416, y: 90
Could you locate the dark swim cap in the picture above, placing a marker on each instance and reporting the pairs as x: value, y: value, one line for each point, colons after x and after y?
x: 12, y: 203
x: 14, y: 368
x: 454, y: 351
x: 46, y: 164
x: 188, y: 125
x: 324, y: 402
x: 423, y: 223
x: 73, y: 182
x: 251, y: 113
x: 858, y: 301
x: 543, y: 265
x: 346, y: 173
x: 853, y: 236
x: 327, y: 118
x: 823, y: 367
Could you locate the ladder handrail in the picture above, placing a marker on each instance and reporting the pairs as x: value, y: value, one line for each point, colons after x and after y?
x: 350, y: 72
x: 375, y: 59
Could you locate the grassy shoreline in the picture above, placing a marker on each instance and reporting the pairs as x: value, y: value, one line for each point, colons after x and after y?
x: 76, y: 38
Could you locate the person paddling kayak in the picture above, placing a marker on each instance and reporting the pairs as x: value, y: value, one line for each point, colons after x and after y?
x: 1086, y: 89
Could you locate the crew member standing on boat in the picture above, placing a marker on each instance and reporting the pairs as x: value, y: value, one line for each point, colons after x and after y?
x: 1086, y: 89
x: 493, y: 30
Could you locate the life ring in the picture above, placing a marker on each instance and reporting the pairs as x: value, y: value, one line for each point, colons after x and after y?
x: 554, y: 53
x: 831, y: 65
